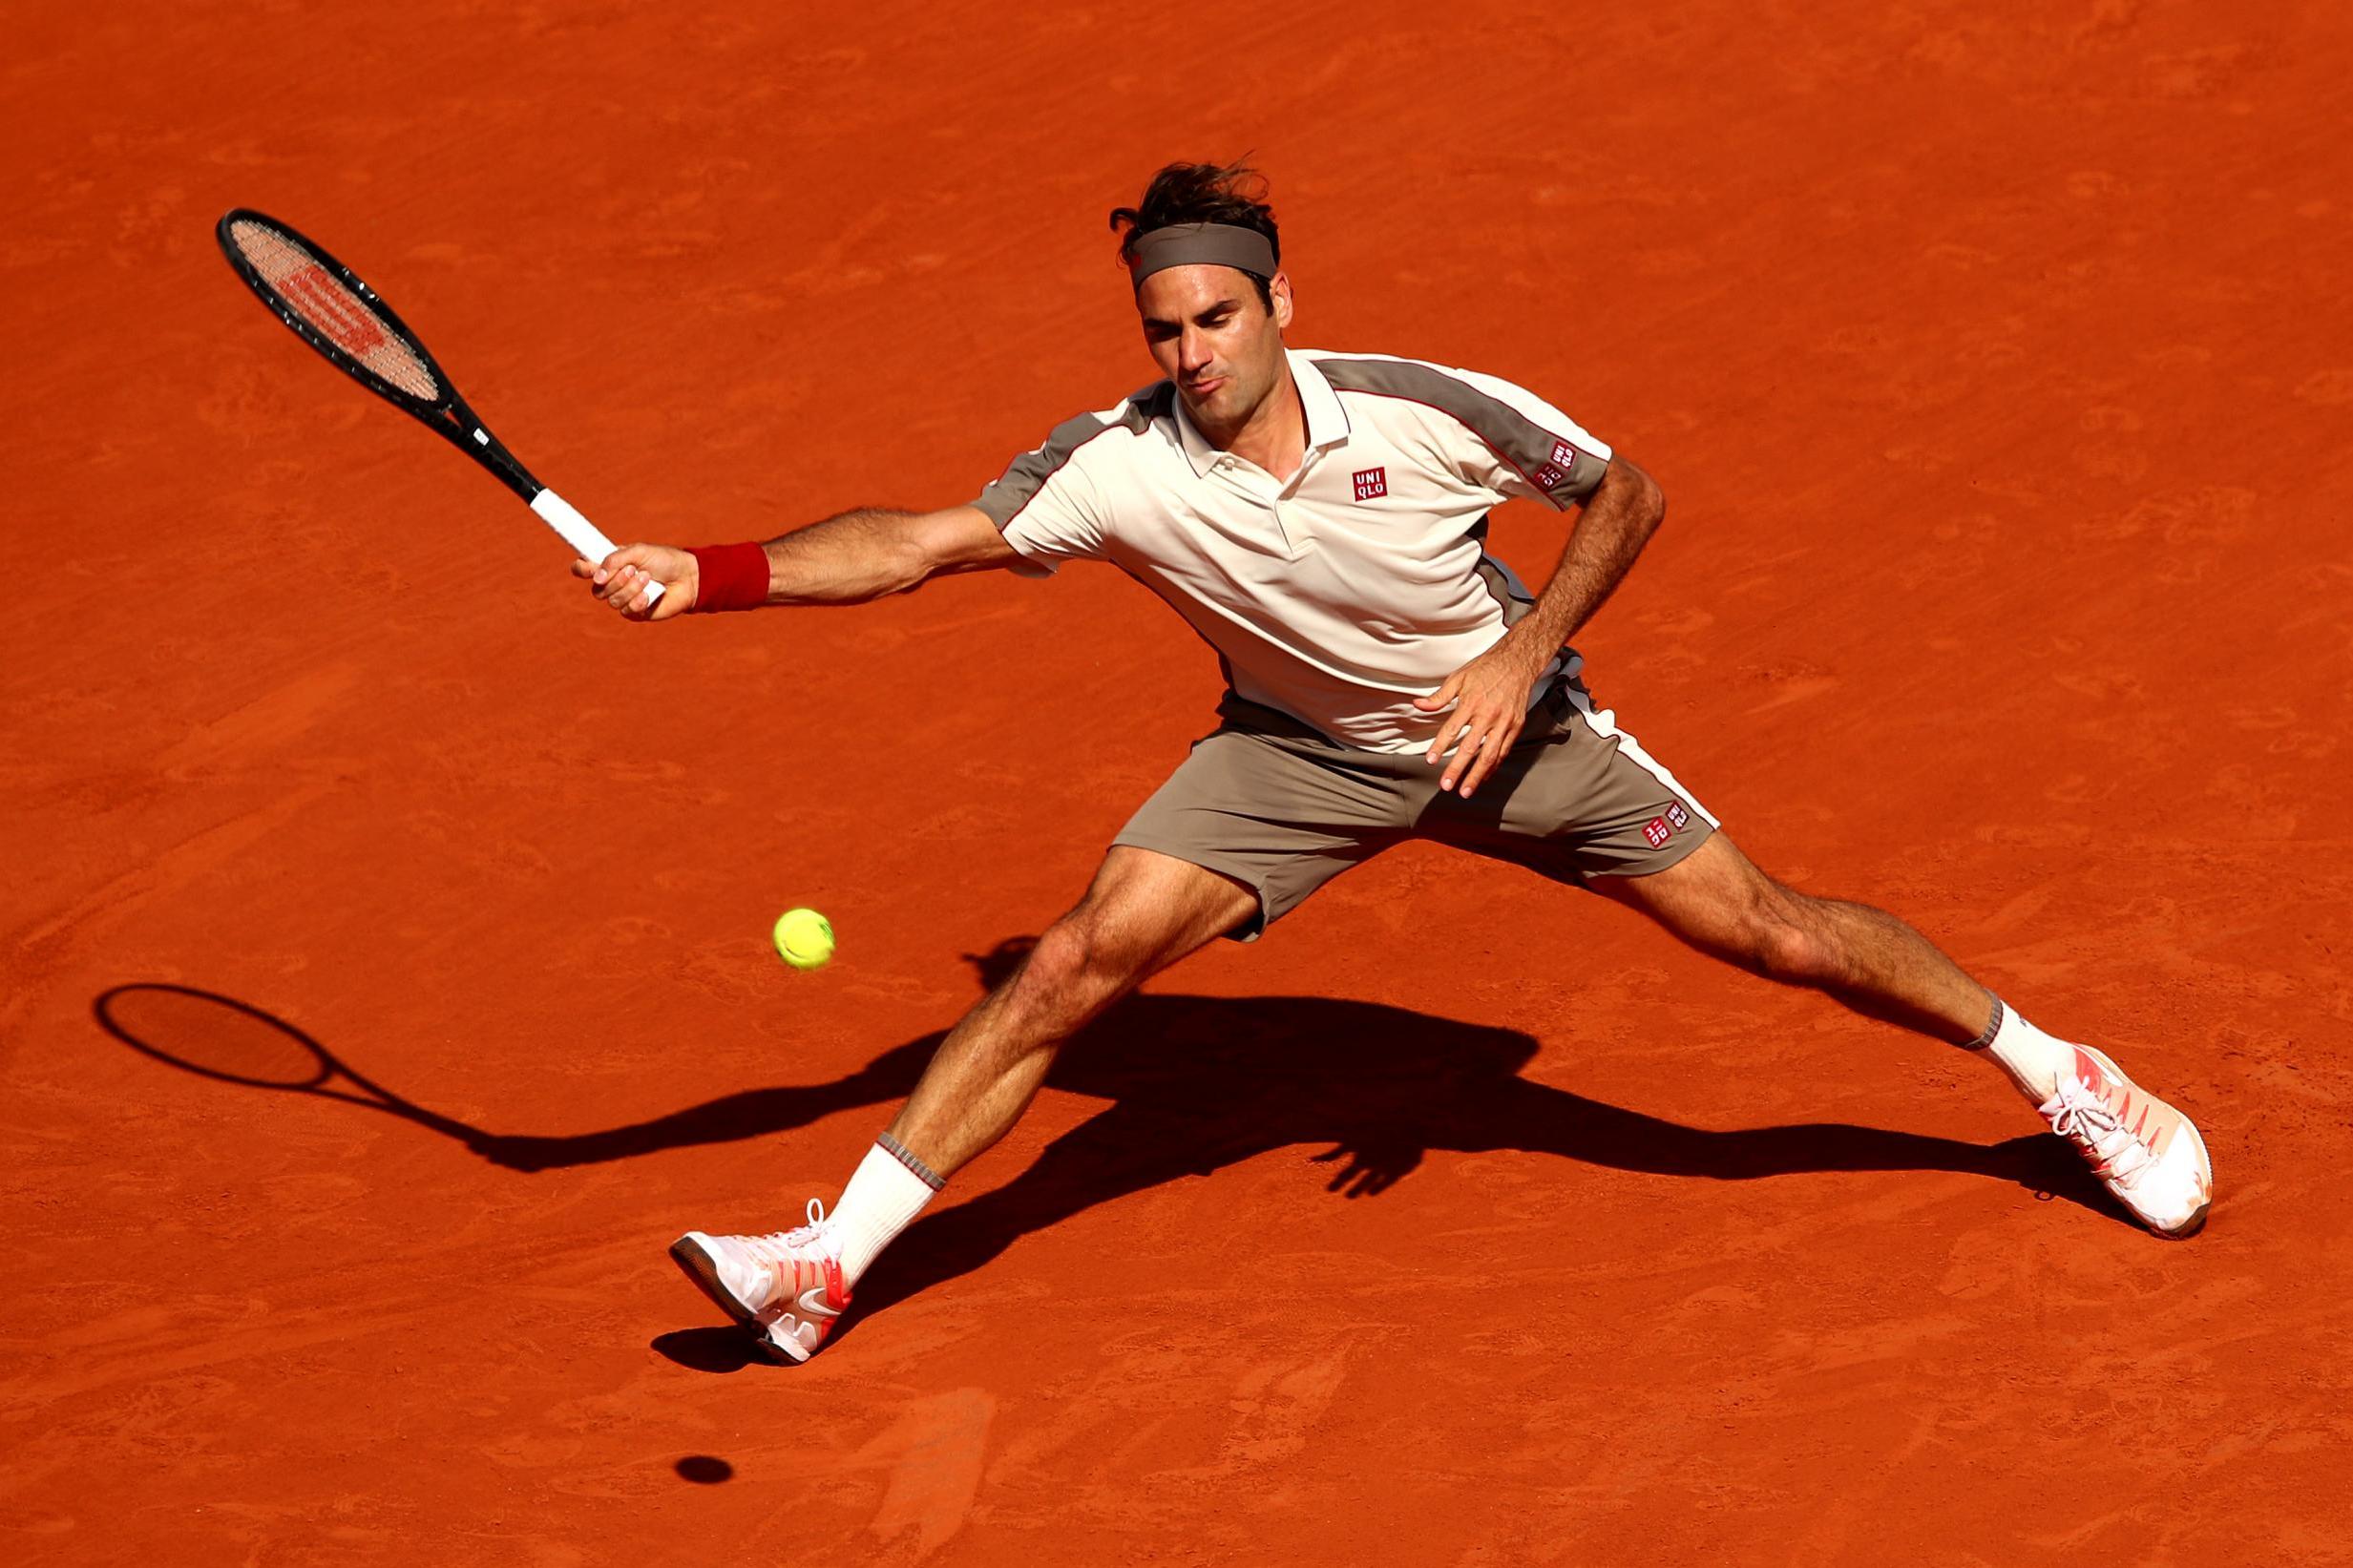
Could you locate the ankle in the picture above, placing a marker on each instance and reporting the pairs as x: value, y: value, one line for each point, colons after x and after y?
x: 2031, y: 1059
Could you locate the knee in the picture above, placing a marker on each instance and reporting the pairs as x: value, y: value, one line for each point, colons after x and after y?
x: 1780, y: 942
x: 1069, y: 971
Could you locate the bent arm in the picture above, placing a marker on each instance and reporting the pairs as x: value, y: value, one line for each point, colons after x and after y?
x: 1489, y: 696
x: 1624, y: 512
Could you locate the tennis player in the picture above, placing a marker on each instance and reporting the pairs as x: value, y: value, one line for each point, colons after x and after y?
x: 1318, y: 518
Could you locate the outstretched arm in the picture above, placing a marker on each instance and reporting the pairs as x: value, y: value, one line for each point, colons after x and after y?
x: 1491, y: 692
x: 848, y: 558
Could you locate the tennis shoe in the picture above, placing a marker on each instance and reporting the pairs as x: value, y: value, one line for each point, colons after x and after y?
x: 784, y: 1287
x: 2146, y: 1153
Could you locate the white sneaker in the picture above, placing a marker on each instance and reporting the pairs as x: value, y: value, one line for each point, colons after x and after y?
x: 2148, y: 1154
x: 785, y: 1287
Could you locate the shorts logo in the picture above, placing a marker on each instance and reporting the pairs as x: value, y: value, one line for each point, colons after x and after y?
x: 1657, y: 832
x: 1372, y: 482
x: 1549, y: 477
x: 1677, y: 816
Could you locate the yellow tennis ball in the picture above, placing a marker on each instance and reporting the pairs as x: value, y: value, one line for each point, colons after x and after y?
x: 804, y: 938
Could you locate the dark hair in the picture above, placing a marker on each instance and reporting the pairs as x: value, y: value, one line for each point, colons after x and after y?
x: 1201, y: 193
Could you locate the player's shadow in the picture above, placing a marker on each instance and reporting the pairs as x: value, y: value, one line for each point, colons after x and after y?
x: 1197, y: 1083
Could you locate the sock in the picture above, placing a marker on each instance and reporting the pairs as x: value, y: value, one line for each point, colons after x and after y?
x: 885, y: 1194
x: 2033, y: 1059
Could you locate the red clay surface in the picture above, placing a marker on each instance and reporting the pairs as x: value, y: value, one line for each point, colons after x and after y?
x: 1996, y: 360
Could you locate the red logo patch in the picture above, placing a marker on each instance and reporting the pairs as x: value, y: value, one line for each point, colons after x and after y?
x: 1563, y: 455
x: 1372, y: 482
x: 1549, y: 477
x: 1656, y: 832
x: 1676, y: 815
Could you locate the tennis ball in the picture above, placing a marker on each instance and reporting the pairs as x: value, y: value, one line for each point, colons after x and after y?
x: 804, y: 938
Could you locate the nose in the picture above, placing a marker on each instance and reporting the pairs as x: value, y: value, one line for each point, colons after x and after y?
x: 1192, y: 350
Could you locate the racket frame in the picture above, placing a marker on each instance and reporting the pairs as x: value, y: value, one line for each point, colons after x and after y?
x: 448, y: 416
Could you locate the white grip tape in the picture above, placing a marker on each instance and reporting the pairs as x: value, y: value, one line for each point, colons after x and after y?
x: 586, y: 539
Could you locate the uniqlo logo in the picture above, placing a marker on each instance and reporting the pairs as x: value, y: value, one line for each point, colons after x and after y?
x: 1550, y: 479
x: 1563, y: 456
x: 1372, y: 482
x: 1657, y: 832
x: 1677, y: 815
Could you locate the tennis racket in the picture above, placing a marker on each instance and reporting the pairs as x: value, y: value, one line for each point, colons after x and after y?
x: 341, y: 317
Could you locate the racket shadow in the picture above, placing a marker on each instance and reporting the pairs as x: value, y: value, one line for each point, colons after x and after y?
x: 230, y: 1042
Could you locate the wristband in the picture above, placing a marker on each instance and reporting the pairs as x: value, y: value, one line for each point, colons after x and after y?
x: 730, y: 577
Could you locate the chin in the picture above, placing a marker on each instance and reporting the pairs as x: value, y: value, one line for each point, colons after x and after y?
x: 1216, y: 404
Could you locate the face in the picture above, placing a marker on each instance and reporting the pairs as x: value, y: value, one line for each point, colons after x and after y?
x: 1211, y: 335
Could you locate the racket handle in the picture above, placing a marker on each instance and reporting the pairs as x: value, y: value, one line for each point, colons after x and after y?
x: 586, y: 539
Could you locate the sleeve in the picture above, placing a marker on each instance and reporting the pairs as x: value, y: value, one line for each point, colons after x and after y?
x: 1508, y: 441
x: 1045, y: 504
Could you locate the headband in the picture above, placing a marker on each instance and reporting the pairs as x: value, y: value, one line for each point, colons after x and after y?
x: 1187, y: 245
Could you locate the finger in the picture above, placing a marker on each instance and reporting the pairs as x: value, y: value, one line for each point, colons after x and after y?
x: 1464, y: 755
x: 1438, y: 700
x: 641, y: 603
x: 583, y: 568
x: 622, y: 586
x: 1498, y: 742
x: 1444, y: 695
x: 627, y: 556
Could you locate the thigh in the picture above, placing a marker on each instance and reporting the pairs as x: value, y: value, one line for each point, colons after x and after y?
x: 1278, y: 813
x: 1145, y: 909
x: 1713, y: 898
x: 1579, y: 801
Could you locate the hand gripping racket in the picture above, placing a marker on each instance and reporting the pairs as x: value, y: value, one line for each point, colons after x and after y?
x: 331, y: 310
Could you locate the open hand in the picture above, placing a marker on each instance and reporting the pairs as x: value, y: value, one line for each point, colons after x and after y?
x: 1489, y: 698
x: 622, y: 578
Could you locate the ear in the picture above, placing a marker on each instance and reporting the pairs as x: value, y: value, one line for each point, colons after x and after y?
x: 1279, y: 285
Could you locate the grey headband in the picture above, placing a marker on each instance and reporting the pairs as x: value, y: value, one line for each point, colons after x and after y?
x: 1190, y: 244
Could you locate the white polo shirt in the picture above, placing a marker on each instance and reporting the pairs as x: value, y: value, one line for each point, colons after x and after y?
x: 1344, y: 593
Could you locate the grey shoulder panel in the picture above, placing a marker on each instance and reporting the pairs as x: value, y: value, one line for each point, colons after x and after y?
x: 1019, y: 484
x: 1555, y: 467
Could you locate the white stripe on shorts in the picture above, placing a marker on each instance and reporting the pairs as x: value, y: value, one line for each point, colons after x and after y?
x: 1604, y: 723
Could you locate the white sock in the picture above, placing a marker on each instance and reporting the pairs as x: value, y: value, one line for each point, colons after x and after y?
x: 2033, y: 1059
x: 885, y: 1194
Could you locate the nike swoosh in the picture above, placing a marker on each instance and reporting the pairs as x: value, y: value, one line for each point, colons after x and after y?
x: 817, y: 1308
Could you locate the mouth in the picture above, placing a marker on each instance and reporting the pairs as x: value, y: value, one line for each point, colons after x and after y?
x: 1200, y: 389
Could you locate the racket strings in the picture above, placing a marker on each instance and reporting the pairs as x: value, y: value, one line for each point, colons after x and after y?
x: 332, y: 308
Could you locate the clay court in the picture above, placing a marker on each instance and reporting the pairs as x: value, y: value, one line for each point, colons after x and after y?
x: 1997, y: 363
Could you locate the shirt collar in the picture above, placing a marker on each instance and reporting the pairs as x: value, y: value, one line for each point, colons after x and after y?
x: 1327, y: 420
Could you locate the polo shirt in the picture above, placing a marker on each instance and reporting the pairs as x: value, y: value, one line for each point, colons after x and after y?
x: 1337, y: 595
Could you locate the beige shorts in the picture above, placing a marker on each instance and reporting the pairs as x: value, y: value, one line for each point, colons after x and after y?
x: 1278, y: 806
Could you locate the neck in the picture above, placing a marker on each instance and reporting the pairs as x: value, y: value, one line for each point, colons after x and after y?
x: 1272, y: 434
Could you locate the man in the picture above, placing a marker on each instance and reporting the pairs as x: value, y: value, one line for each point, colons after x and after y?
x: 1317, y: 518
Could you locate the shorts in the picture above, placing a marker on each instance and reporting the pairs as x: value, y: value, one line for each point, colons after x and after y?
x: 1283, y: 808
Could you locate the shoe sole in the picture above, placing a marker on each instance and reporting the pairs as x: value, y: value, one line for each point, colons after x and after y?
x: 2196, y: 1221
x: 703, y: 1269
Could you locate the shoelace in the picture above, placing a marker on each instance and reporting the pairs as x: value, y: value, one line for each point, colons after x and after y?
x: 2084, y: 1120
x: 780, y: 1247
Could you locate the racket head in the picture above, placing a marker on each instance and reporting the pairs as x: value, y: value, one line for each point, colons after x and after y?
x: 213, y: 1036
x: 330, y: 308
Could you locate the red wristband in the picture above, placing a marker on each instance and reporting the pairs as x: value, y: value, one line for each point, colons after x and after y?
x: 730, y: 577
